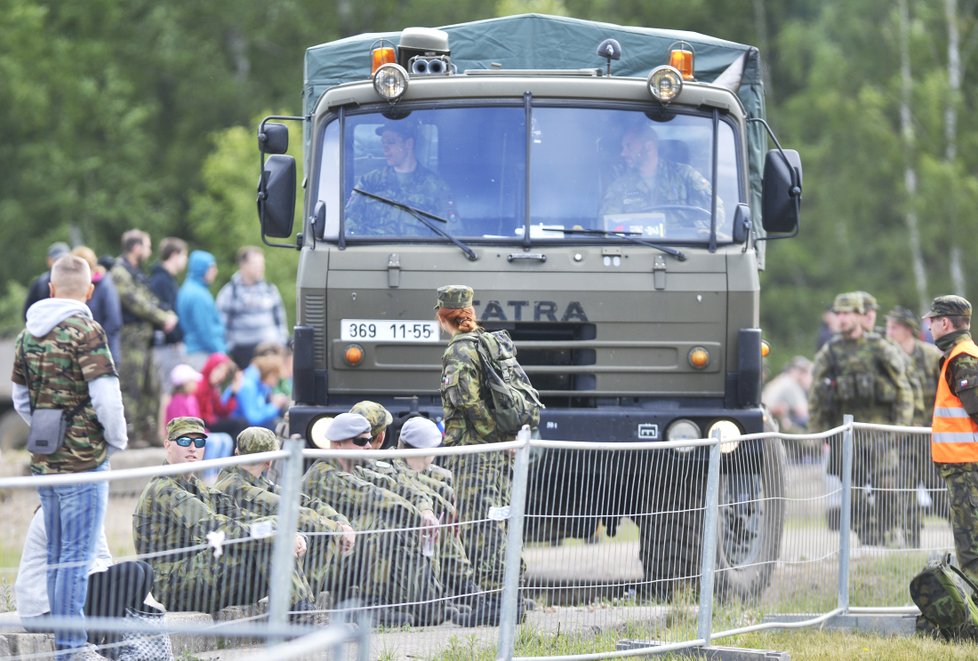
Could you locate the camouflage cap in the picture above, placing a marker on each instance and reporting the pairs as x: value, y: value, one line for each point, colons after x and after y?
x: 848, y: 302
x: 902, y: 315
x: 182, y: 426
x: 949, y: 306
x: 869, y: 301
x: 257, y: 439
x: 378, y: 417
x: 454, y: 296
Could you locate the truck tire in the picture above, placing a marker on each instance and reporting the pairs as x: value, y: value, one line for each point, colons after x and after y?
x: 13, y: 431
x: 749, y: 530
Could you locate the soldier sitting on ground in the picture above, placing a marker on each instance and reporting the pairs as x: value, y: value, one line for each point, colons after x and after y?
x: 176, y: 514
x: 396, y: 581
x: 327, y: 532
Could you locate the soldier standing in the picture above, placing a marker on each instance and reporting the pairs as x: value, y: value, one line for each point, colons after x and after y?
x: 141, y: 314
x: 954, y: 442
x: 483, y: 481
x: 862, y: 374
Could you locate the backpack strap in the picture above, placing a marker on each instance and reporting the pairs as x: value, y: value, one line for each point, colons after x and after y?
x: 956, y: 570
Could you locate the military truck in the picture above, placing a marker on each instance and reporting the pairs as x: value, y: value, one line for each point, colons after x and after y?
x: 636, y: 321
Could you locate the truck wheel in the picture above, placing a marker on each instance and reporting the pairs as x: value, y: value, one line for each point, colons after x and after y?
x: 13, y: 431
x: 750, y: 524
x: 749, y: 540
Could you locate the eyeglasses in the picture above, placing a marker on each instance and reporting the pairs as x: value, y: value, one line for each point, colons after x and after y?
x: 361, y: 441
x: 185, y: 441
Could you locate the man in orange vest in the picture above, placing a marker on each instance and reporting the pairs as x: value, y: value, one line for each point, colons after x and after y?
x: 954, y: 440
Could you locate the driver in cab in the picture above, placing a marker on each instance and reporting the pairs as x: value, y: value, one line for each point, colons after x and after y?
x: 652, y: 182
x: 403, y: 181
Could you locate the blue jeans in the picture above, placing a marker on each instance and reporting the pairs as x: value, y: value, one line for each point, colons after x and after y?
x: 73, y: 517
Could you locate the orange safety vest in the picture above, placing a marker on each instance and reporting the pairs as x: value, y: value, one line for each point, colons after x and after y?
x: 955, y: 434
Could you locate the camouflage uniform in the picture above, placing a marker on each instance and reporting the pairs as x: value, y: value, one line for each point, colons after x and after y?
x: 961, y: 478
x: 421, y: 189
x: 865, y: 377
x: 59, y: 367
x: 388, y: 565
x: 483, y: 481
x: 173, y: 515
x: 139, y: 380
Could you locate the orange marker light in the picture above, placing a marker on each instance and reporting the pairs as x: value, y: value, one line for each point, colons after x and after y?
x: 353, y: 355
x: 765, y: 348
x: 699, y: 357
x: 682, y: 59
x: 382, y: 55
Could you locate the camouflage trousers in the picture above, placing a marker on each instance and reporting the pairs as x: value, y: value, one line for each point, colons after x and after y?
x: 881, y: 503
x: 320, y: 561
x: 483, y: 486
x: 452, y: 563
x: 962, y: 493
x: 207, y: 584
x: 140, y: 384
x: 390, y: 570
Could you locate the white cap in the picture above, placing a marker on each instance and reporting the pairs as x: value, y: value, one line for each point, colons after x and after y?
x: 184, y: 373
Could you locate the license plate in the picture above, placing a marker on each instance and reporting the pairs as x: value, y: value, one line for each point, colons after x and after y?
x: 388, y: 330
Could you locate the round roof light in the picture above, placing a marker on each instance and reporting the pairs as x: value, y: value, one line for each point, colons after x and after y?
x: 665, y: 83
x: 391, y: 81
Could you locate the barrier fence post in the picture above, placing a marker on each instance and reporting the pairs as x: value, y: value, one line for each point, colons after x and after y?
x: 708, y: 565
x: 514, y: 549
x: 845, y: 513
x: 283, y: 549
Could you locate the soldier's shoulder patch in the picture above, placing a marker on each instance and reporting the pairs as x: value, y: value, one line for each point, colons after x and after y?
x: 966, y: 383
x: 383, y: 465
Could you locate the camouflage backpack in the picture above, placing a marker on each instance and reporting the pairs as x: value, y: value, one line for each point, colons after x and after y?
x: 944, y: 602
x: 515, y: 402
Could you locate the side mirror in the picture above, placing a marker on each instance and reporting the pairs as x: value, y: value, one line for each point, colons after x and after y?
x: 781, y: 199
x: 273, y: 138
x: 276, y: 196
x: 741, y: 223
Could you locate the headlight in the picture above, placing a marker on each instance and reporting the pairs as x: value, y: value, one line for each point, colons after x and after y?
x: 317, y: 432
x: 391, y: 81
x: 683, y: 430
x: 722, y: 430
x: 665, y: 83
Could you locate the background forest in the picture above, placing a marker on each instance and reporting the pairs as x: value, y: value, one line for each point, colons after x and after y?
x: 143, y: 114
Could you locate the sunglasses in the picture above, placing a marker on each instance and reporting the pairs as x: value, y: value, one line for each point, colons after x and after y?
x: 185, y: 441
x: 361, y: 441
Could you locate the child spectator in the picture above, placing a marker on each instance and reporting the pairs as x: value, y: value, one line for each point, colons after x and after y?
x: 259, y: 404
x: 217, y: 395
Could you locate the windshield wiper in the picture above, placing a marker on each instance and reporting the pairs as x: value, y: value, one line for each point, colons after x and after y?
x: 424, y: 218
x: 628, y: 236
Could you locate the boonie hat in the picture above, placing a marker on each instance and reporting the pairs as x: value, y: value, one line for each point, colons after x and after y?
x: 949, y: 306
x: 848, y: 302
x: 869, y: 301
x: 378, y: 417
x: 183, y: 426
x: 257, y: 439
x: 421, y: 433
x: 346, y: 426
x: 454, y: 297
x: 902, y: 315
x: 184, y: 373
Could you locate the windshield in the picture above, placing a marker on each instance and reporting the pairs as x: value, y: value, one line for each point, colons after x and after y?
x: 477, y: 173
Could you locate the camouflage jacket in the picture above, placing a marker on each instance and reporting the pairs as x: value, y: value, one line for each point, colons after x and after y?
x: 468, y: 420
x: 441, y: 494
x: 366, y: 505
x: 926, y: 359
x: 421, y: 189
x: 139, y: 304
x: 177, y: 511
x: 674, y: 183
x: 962, y: 373
x: 384, y: 475
x: 56, y: 370
x: 260, y: 496
x: 865, y: 377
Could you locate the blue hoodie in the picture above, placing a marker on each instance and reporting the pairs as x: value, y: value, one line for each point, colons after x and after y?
x: 203, y: 331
